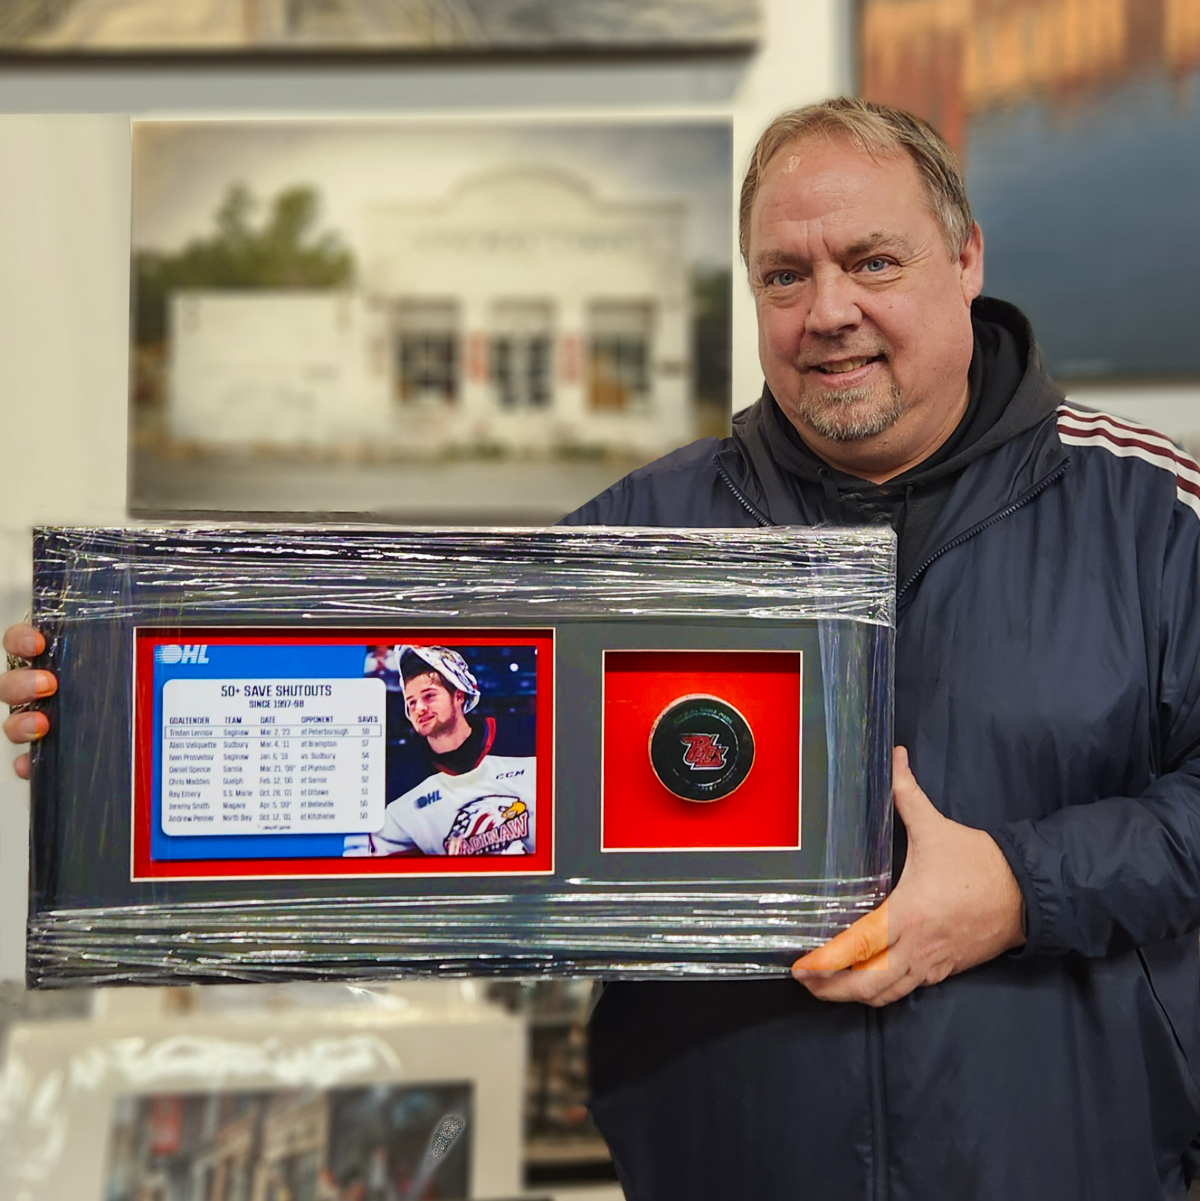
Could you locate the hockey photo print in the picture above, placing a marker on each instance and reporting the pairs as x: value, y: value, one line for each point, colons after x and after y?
x: 281, y: 753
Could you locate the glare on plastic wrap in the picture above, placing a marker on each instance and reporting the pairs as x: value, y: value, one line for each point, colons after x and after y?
x: 734, y: 904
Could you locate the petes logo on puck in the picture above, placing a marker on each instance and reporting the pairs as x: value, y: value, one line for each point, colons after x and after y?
x: 701, y: 748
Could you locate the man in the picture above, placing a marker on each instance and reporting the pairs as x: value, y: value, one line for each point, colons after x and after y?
x: 1047, y: 691
x: 1030, y: 1027
x: 471, y: 800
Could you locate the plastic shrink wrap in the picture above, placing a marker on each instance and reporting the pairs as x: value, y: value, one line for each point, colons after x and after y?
x: 297, y: 753
x: 409, y: 1092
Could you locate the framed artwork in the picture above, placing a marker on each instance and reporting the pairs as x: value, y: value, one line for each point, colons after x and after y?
x: 1078, y: 126
x: 344, y: 753
x: 418, y: 28
x: 322, y: 1143
x: 467, y: 320
x: 331, y: 1103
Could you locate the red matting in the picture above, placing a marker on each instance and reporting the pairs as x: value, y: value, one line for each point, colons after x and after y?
x: 144, y: 734
x: 639, y: 813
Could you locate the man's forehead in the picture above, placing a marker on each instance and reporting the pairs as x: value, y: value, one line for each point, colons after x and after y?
x: 823, y: 173
x: 845, y: 241
x: 862, y: 202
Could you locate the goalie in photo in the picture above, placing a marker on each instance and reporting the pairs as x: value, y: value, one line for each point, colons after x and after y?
x: 461, y: 768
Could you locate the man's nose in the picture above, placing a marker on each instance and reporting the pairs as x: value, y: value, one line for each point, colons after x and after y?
x: 833, y: 308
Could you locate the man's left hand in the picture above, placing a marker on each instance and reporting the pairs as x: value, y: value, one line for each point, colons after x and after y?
x: 957, y: 904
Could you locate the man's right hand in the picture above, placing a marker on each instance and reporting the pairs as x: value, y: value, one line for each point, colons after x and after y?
x: 21, y: 686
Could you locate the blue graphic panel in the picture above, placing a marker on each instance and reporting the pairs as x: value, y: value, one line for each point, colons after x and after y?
x: 507, y: 678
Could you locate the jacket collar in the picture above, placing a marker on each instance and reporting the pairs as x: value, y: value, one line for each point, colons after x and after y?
x: 1011, y: 460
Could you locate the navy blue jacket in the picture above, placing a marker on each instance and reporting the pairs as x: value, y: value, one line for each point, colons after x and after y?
x: 1048, y: 690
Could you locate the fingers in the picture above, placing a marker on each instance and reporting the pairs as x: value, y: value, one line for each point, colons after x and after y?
x: 912, y: 804
x: 23, y: 640
x: 21, y: 766
x: 875, y: 988
x: 26, y: 727
x: 26, y: 684
x: 858, y: 943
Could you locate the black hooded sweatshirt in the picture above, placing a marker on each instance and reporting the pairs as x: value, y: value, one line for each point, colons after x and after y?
x: 1000, y: 405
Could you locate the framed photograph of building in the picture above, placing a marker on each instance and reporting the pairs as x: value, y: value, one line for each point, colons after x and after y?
x: 395, y: 27
x: 1078, y: 126
x: 447, y: 320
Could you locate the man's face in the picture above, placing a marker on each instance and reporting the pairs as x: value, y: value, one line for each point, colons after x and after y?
x: 430, y: 707
x: 863, y: 313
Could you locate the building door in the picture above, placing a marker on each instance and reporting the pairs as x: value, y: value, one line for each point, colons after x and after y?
x: 521, y: 354
x: 427, y: 343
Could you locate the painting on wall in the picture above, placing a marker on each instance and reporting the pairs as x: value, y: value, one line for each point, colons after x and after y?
x: 343, y: 1144
x: 436, y: 320
x: 419, y: 27
x: 1078, y: 122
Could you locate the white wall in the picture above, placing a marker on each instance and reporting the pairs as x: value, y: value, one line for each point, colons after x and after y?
x: 64, y: 247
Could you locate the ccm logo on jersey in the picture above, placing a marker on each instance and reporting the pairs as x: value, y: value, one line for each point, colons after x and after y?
x: 508, y: 775
x: 181, y: 654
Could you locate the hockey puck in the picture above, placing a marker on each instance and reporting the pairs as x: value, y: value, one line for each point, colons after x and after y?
x: 701, y: 748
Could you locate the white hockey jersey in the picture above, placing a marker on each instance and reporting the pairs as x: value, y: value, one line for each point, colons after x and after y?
x: 488, y: 810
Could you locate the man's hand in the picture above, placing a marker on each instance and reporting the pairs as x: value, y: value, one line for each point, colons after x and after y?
x: 957, y: 904
x: 21, y: 686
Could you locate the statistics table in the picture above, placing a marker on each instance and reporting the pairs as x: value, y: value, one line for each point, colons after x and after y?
x: 273, y: 756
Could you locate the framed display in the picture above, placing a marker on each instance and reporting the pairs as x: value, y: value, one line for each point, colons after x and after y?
x: 412, y: 28
x: 334, y: 1102
x: 282, y: 753
x: 290, y: 1142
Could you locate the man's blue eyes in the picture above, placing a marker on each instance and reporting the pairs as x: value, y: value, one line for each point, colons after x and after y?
x: 871, y: 266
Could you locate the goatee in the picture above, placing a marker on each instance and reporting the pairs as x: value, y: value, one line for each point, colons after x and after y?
x: 850, y: 415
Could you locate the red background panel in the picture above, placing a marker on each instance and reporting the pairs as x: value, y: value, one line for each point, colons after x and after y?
x: 639, y: 812
x: 146, y: 868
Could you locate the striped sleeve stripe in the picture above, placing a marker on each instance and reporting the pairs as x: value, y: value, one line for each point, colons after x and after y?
x: 1127, y: 440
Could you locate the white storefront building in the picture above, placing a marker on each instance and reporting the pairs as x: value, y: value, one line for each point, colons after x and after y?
x: 521, y: 312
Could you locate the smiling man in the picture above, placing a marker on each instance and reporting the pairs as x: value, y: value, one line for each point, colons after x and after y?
x: 1032, y: 1026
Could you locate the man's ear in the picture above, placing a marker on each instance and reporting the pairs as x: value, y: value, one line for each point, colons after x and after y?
x: 970, y: 264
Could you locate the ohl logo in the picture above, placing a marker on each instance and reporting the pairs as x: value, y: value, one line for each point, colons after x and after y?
x: 181, y: 654
x: 704, y: 752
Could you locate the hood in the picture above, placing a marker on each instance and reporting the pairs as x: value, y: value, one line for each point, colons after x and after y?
x: 774, y: 460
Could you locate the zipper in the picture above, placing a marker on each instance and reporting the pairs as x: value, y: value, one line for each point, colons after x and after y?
x: 1021, y: 501
x: 739, y: 495
x: 874, y: 1038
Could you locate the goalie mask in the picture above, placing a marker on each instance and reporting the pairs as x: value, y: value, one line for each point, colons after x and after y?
x: 447, y: 663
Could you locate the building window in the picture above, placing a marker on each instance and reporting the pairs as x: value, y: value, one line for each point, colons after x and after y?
x: 619, y: 344
x: 522, y: 354
x: 427, y: 351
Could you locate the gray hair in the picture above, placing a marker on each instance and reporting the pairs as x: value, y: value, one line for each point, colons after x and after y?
x: 877, y: 129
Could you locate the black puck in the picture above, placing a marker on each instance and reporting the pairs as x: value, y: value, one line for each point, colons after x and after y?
x: 701, y: 748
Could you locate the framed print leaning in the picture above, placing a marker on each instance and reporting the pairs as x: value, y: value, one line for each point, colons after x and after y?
x: 292, y: 753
